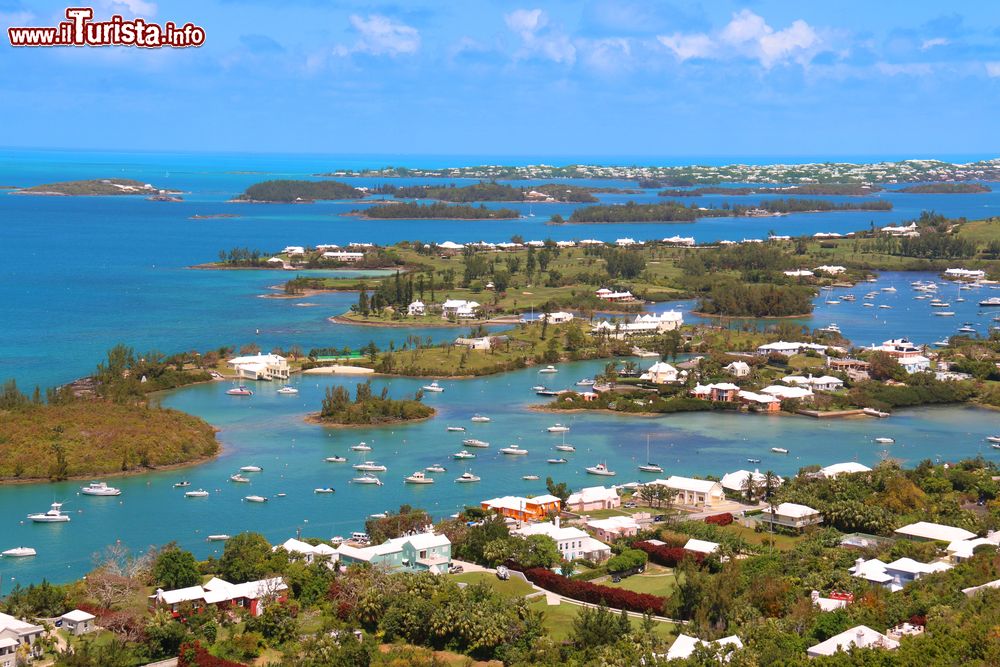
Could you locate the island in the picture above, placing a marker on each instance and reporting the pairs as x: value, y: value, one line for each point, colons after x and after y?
x: 97, y: 187
x: 676, y: 212
x: 493, y: 191
x: 946, y: 189
x: 368, y: 409
x: 300, y: 192
x: 435, y: 211
x: 814, y: 189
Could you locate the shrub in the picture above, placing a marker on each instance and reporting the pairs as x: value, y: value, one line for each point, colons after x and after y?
x: 723, y: 519
x: 617, y: 598
x: 195, y: 655
x: 668, y: 556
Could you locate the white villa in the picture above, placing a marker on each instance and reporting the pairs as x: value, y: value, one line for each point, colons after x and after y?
x: 897, y: 574
x: 822, y: 383
x: 848, y: 468
x: 76, y: 623
x: 15, y: 633
x: 792, y: 515
x: 788, y: 349
x: 684, y: 646
x: 694, y: 492
x: 648, y: 324
x: 614, y: 527
x: 663, y: 373
x: 901, y: 230
x: 592, y: 498
x: 925, y: 531
x: 459, y: 309
x: 701, y: 546
x: 799, y: 273
x: 344, y: 256
x: 783, y: 392
x: 249, y: 595
x: 260, y: 367
x: 833, y: 270
x: 973, y: 274
x: 861, y: 636
x: 734, y: 481
x: 416, y: 309
x: 308, y: 552
x: 626, y: 242
x: 962, y: 550
x: 739, y: 369
x: 608, y: 295
x: 679, y: 240
x: 908, y: 355
x: 572, y: 542
x: 557, y: 317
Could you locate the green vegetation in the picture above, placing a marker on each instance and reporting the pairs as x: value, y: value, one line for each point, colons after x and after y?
x: 368, y: 408
x: 946, y: 188
x: 436, y: 211
x: 814, y: 189
x: 493, y: 191
x: 676, y: 212
x: 734, y: 299
x: 102, y: 186
x: 287, y: 191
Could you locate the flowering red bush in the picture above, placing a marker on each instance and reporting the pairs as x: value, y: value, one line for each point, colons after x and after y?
x: 195, y: 655
x: 720, y: 519
x: 617, y: 598
x: 668, y: 556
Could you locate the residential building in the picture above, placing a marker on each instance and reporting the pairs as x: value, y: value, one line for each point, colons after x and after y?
x: 861, y: 636
x: 694, y: 492
x: 823, y: 383
x: 423, y: 552
x: 792, y: 515
x: 788, y: 393
x: 972, y: 590
x: 77, y: 622
x: 295, y: 250
x: 343, y: 256
x: 591, y: 498
x: 8, y: 652
x: 848, y: 468
x: 646, y: 324
x: 901, y: 230
x: 626, y: 242
x: 972, y: 274
x: 662, y: 373
x: 251, y: 596
x: 897, y: 574
x: 260, y: 367
x: 481, y: 343
x: 679, y: 240
x: 799, y: 273
x: 908, y: 355
x: 833, y: 270
x: 855, y: 369
x: 524, y: 509
x: 684, y: 646
x: 572, y: 542
x: 735, y: 481
x: 701, y: 546
x: 557, y: 317
x: 450, y: 247
x: 739, y: 369
x: 925, y: 531
x: 962, y: 550
x: 759, y: 402
x: 834, y: 602
x: 612, y: 296
x: 416, y: 309
x: 459, y: 309
x: 308, y: 552
x: 789, y: 348
x: 613, y: 528
x: 15, y: 633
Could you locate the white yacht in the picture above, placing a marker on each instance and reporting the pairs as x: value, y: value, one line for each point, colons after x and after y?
x: 19, y: 552
x: 474, y: 442
x: 966, y: 329
x: 650, y: 467
x: 890, y: 288
x: 831, y: 328
x: 779, y: 450
x: 600, y: 469
x: 220, y: 537
x: 549, y: 369
x: 256, y: 499
x: 241, y: 390
x: 54, y: 515
x: 370, y: 466
x: 433, y: 387
x: 585, y: 382
x: 463, y: 455
x: 199, y: 493
x: 288, y: 390
x: 868, y: 305
x: 885, y: 441
x: 993, y: 438
x: 239, y: 479
x: 325, y: 489
x: 100, y: 489
x: 538, y: 387
x: 436, y: 468
x: 565, y: 448
x: 455, y: 429
x: 181, y: 485
x: 554, y: 461
x: 557, y: 428
x: 939, y: 304
x: 480, y: 419
x: 251, y: 469
x: 942, y: 343
x: 419, y: 478
x: 531, y: 478
x: 336, y: 459
x: 466, y: 478
x: 361, y: 447
x: 884, y: 305
x: 513, y: 450
x: 992, y: 302
x: 944, y: 313
x: 367, y: 479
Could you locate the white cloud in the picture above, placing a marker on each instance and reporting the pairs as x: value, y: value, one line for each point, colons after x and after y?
x: 936, y: 41
x: 992, y: 69
x: 381, y: 35
x: 694, y: 45
x: 606, y: 55
x: 526, y: 22
x: 538, y: 39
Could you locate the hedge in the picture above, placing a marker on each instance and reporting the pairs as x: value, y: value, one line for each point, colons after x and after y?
x: 668, y: 556
x: 195, y: 655
x: 584, y: 591
x: 723, y: 519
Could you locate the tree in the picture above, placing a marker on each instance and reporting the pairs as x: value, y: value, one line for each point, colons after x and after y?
x: 175, y: 568
x: 560, y: 490
x: 247, y: 557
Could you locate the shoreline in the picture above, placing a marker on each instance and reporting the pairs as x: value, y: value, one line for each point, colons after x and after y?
x: 314, y: 419
x: 118, y: 473
x: 699, y: 313
x: 341, y: 319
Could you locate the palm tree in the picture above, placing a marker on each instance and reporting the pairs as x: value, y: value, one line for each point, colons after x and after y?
x: 750, y: 487
x: 770, y: 484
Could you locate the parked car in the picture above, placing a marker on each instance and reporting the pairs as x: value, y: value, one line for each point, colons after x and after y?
x: 503, y: 573
x: 658, y: 517
x: 630, y: 505
x: 456, y: 569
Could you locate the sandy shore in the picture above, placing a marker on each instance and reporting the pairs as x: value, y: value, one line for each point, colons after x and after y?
x: 338, y: 369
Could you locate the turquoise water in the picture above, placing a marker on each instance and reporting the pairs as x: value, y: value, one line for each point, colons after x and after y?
x: 81, y: 274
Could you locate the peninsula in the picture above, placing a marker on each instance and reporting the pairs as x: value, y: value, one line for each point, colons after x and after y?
x: 498, y: 192
x: 95, y: 187
x: 435, y: 211
x: 676, y: 212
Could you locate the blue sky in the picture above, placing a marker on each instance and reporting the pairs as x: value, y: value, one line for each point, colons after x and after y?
x: 484, y: 77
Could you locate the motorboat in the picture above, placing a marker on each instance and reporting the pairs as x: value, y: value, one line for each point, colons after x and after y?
x: 239, y: 479
x: 280, y: 495
x: 831, y: 328
x: 556, y: 461
x: 256, y: 499
x: 221, y: 537
x: 779, y: 450
x: 945, y: 313
x: 473, y: 442
x: 513, y: 450
x: 241, y: 390
x: 650, y: 467
x: 467, y: 478
x: 325, y: 489
x: 992, y: 302
x: 336, y: 459
x: 890, y: 288
x: 378, y: 515
x: 433, y: 387
x: 942, y: 343
x: 531, y: 478
x: 939, y: 304
x: 361, y: 447
x: 436, y: 468
x: 370, y: 466
x: 463, y: 455
x: 199, y: 493
x: 586, y: 382
x: 549, y: 369
x: 884, y: 305
x: 565, y: 448
x: 833, y: 302
x: 885, y: 441
x: 19, y: 552
x: 54, y: 515
x: 600, y: 469
x: 868, y: 305
x: 288, y: 390
x: 993, y: 438
x: 848, y: 297
x: 418, y: 478
x: 557, y: 428
x: 966, y: 329
x: 751, y: 460
x: 538, y: 387
x: 251, y: 469
x: 181, y: 485
x: 480, y: 419
x: 367, y: 479
x: 455, y: 429
x: 100, y: 489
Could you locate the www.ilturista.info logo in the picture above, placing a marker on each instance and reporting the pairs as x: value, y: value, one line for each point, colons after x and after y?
x: 81, y: 30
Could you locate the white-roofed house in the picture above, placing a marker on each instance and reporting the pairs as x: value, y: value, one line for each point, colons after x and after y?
x: 250, y: 595
x: 416, y: 309
x: 684, y: 646
x: 783, y: 392
x: 459, y: 309
x: 694, y: 492
x: 897, y: 574
x: 963, y: 550
x: 260, y: 367
x: 701, y: 546
x: 738, y: 368
x: 15, y: 633
x: 77, y: 622
x: 861, y: 636
x: 614, y: 527
x: 572, y: 542
x: 308, y: 552
x: 925, y: 531
x: 792, y: 515
x: 343, y: 256
x: 736, y: 481
x: 591, y: 498
x: 661, y: 373
x: 450, y: 246
x: 759, y: 402
x: 557, y: 317
x: 847, y: 468
x: 423, y: 552
x: 833, y: 270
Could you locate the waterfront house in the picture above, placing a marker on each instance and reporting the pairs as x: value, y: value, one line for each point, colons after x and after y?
x: 614, y: 297
x: 591, y: 498
x: 739, y: 369
x: 296, y: 250
x: 847, y: 468
x: 557, y: 317
x: 925, y: 531
x: 565, y: 244
x: 759, y: 402
x: 276, y: 261
x: 971, y: 274
x: 694, y: 492
x: 423, y: 552
x: 524, y: 509
x: 343, y: 256
x: 647, y: 324
x: 901, y: 230
x: 723, y: 391
x: 77, y: 622
x: 614, y: 527
x: 792, y: 515
x: 15, y: 633
x: 684, y: 646
x: 787, y: 393
x: 308, y: 552
x: 822, y: 383
x: 572, y: 542
x: 661, y: 373
x: 833, y: 270
x: 861, y: 637
x: 450, y: 247
x: 416, y: 309
x: 481, y: 343
x: 626, y: 242
x: 679, y: 240
x: 855, y: 369
x: 908, y: 355
x: 220, y: 593
x: 459, y: 309
x: 787, y: 349
x: 260, y: 367
x: 735, y: 481
x: 799, y: 273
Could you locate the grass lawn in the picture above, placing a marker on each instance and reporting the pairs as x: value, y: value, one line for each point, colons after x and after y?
x: 781, y: 542
x: 513, y: 587
x: 558, y: 621
x: 656, y: 580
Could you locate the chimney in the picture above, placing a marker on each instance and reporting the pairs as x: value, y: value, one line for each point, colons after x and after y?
x: 814, y: 596
x: 860, y: 634
x: 857, y: 565
x: 557, y: 520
